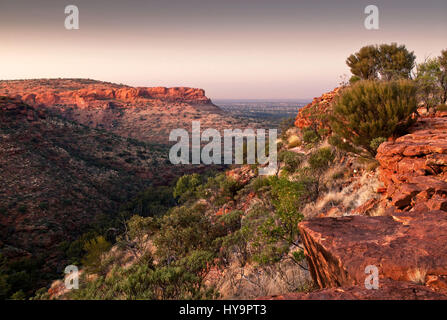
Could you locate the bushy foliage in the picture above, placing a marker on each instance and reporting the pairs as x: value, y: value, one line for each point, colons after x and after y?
x: 431, y: 77
x: 180, y: 280
x: 310, y: 136
x: 428, y: 80
x: 287, y: 198
x: 364, y: 63
x: 95, y: 248
x: 259, y: 184
x: 137, y: 232
x: 370, y: 110
x: 266, y: 234
x: 321, y: 159
x: 219, y: 190
x: 386, y: 62
x: 18, y: 278
x: 186, y: 187
x: 182, y: 230
x: 153, y: 201
x: 291, y: 160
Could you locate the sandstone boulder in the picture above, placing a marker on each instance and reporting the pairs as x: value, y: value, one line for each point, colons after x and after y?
x: 405, y: 247
x: 388, y: 290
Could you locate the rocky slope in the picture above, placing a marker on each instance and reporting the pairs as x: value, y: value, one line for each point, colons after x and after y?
x: 406, y: 244
x: 414, y: 168
x: 147, y: 114
x: 315, y: 113
x: 59, y: 177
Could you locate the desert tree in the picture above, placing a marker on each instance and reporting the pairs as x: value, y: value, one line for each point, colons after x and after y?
x: 386, y: 62
x: 429, y: 80
x: 395, y: 62
x: 363, y: 63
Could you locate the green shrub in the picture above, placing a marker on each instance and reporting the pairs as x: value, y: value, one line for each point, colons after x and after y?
x: 95, y: 248
x: 186, y: 187
x: 321, y: 159
x: 259, y: 184
x: 18, y: 295
x: 370, y: 110
x: 322, y: 132
x: 153, y: 201
x: 310, y: 136
x: 429, y: 78
x: 291, y: 160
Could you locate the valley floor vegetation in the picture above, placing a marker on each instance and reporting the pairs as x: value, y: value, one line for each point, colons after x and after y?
x: 197, y: 238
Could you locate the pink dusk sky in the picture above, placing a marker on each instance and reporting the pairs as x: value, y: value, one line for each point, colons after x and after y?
x: 233, y: 49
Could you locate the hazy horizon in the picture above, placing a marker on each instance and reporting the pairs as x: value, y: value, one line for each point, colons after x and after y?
x: 233, y: 50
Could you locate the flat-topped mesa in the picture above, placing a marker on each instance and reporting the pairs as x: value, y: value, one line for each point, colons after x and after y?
x: 88, y: 93
x: 86, y: 97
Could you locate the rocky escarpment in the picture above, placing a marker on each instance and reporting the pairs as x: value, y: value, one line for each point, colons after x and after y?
x: 407, y: 244
x: 414, y: 168
x: 315, y: 113
x: 142, y: 113
x: 15, y: 109
x: 89, y: 93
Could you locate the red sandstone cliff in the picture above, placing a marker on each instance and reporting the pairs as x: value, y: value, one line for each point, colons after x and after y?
x: 85, y: 93
x: 146, y: 114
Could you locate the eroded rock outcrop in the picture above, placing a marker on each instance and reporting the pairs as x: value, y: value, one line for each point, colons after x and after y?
x: 414, y: 168
x: 15, y: 109
x: 314, y: 113
x: 143, y: 113
x: 407, y: 244
x: 404, y: 247
x: 95, y: 94
x: 389, y: 290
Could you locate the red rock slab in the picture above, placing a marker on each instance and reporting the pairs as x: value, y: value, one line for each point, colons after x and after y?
x: 404, y: 247
x: 388, y: 290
